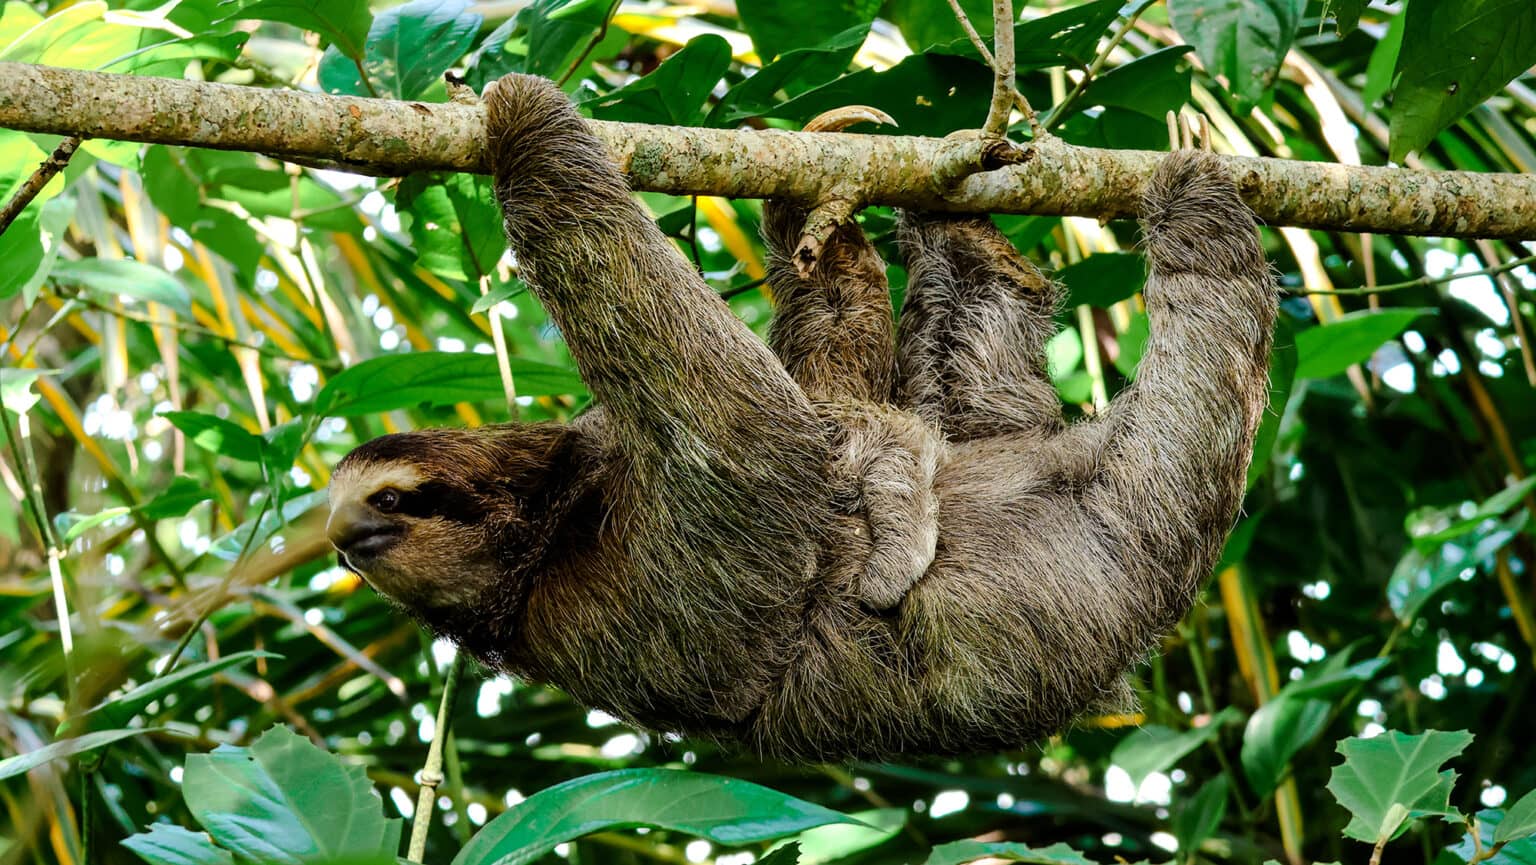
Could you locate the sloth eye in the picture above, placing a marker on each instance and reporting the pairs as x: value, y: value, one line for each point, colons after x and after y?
x: 386, y: 500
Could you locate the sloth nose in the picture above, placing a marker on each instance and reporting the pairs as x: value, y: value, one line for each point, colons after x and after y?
x: 360, y: 532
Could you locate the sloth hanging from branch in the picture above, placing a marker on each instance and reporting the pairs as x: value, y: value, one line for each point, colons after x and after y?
x: 860, y: 540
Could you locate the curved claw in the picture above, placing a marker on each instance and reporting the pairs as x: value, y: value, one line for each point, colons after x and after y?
x: 838, y: 119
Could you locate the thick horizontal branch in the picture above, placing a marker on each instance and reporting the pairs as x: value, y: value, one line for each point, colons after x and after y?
x: 393, y: 138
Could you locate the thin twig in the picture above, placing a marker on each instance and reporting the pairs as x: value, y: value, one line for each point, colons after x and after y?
x: 33, y: 185
x: 986, y: 57
x: 432, y: 772
x: 1421, y: 282
x: 1060, y: 110
x: 1002, y: 70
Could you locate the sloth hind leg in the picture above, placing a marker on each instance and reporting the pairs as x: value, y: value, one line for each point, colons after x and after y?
x: 971, y: 339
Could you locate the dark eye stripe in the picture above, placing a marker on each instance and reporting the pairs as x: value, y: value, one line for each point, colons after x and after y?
x: 434, y: 499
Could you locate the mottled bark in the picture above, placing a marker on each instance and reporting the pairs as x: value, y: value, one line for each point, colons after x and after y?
x: 393, y: 138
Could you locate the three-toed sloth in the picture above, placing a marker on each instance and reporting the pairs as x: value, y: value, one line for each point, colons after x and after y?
x: 859, y: 540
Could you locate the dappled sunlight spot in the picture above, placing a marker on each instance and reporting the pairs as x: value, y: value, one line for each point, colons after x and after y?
x: 450, y: 344
x: 949, y: 802
x: 697, y: 850
x: 599, y: 718
x: 403, y: 803
x: 477, y: 813
x: 512, y: 797
x: 1493, y: 796
x: 1432, y: 687
x: 622, y: 745
x: 1447, y: 661
x: 1165, y: 840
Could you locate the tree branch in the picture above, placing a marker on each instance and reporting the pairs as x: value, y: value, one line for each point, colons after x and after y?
x: 34, y: 184
x: 393, y: 138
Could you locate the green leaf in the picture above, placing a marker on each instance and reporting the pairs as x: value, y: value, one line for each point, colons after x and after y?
x: 16, y: 392
x: 454, y: 223
x: 794, y: 72
x: 785, y: 25
x: 924, y: 23
x: 504, y: 291
x: 1151, y: 85
x: 409, y: 48
x: 1295, y: 716
x: 1422, y: 573
x: 1282, y: 380
x: 285, y: 800
x: 1198, y: 817
x: 1517, y: 851
x: 1154, y: 748
x: 1495, y: 505
x: 1329, y: 349
x: 10, y: 767
x: 826, y: 844
x: 1132, y: 343
x: 1380, y: 70
x: 926, y: 94
x: 1519, y: 820
x: 119, y: 710
x: 178, y: 498
x: 1346, y: 14
x: 435, y: 378
x: 676, y: 92
x: 1243, y: 41
x: 1103, y: 279
x: 960, y: 852
x: 108, y: 278
x: 1454, y: 56
x: 74, y: 525
x: 1066, y: 38
x: 167, y: 844
x: 343, y: 23
x: 217, y: 435
x: 723, y: 810
x: 1394, y: 769
x: 555, y: 44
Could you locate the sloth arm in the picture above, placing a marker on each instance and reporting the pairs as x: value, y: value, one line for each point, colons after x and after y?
x: 718, y: 485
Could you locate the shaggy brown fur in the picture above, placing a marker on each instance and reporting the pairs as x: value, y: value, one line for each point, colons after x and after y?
x: 732, y: 544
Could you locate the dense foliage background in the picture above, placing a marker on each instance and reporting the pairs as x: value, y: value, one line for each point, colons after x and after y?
x: 175, y: 325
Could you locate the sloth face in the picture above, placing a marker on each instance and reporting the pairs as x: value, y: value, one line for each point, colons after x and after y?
x: 433, y: 519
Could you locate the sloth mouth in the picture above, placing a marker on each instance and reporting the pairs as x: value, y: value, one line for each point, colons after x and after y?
x: 365, y: 542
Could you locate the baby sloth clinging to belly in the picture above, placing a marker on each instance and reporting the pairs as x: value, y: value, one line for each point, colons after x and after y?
x: 858, y: 540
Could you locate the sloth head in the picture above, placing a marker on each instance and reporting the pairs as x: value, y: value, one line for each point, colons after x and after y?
x: 433, y: 519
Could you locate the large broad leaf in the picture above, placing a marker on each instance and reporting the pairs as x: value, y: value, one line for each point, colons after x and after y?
x: 1198, y: 817
x: 924, y: 23
x: 1156, y: 749
x: 676, y: 92
x: 826, y: 844
x: 1516, y: 851
x: 107, y: 278
x: 409, y: 47
x: 1519, y: 820
x: 1454, y: 56
x: 217, y: 435
x: 13, y: 766
x: 793, y: 73
x: 1346, y: 14
x: 343, y: 23
x: 1152, y: 85
x: 120, y: 709
x: 1295, y: 716
x: 175, y: 500
x: 167, y: 844
x: 1066, y: 38
x: 785, y: 25
x: 1243, y: 41
x: 1423, y: 572
x: 454, y: 223
x: 722, y: 810
x: 926, y: 94
x: 960, y: 852
x: 1336, y: 346
x: 285, y: 800
x: 435, y: 378
x: 1395, y: 769
x: 1104, y: 278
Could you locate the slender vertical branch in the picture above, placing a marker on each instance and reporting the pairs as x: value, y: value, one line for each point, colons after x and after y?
x: 30, y: 187
x: 987, y: 57
x: 432, y: 772
x: 1060, y: 110
x: 1002, y: 69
